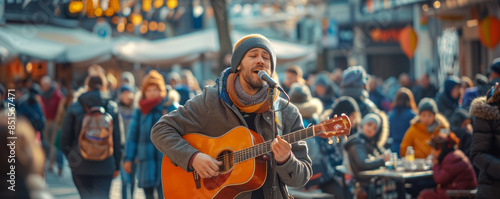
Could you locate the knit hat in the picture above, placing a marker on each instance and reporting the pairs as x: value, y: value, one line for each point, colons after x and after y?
x: 372, y: 117
x: 301, y: 97
x: 354, y: 76
x: 127, y: 87
x: 345, y: 105
x: 299, y: 93
x: 495, y: 66
x: 428, y: 104
x: 154, y: 78
x: 248, y: 42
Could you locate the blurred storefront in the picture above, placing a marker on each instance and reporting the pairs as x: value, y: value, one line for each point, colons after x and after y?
x: 49, y: 50
x: 363, y: 33
x: 467, y: 33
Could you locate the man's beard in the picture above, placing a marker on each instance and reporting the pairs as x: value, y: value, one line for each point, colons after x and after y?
x: 254, y: 83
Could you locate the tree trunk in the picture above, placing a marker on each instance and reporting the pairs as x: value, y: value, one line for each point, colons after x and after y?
x: 222, y: 20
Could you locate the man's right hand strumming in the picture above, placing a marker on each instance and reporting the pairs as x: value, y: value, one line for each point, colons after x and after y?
x: 206, y: 166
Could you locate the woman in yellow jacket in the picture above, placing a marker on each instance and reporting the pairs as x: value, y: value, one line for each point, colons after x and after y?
x: 427, y: 123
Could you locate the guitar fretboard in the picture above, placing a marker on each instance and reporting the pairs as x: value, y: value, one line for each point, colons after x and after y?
x: 265, y: 147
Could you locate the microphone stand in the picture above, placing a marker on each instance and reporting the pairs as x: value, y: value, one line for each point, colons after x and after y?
x: 274, y: 188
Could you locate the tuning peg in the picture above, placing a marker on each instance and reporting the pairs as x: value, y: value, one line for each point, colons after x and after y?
x: 330, y: 141
x: 338, y: 140
x: 345, y: 137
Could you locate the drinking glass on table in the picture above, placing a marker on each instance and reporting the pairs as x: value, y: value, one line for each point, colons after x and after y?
x: 394, y: 160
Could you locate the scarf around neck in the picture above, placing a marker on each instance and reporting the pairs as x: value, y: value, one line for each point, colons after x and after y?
x: 258, y: 103
x: 147, y: 104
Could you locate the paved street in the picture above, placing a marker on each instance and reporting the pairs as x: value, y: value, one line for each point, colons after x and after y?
x: 63, y: 187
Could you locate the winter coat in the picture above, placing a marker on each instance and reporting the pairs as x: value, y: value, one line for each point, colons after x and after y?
x: 72, y: 125
x: 213, y: 114
x: 363, y: 154
x: 139, y: 147
x: 418, y: 136
x: 185, y: 93
x: 28, y: 107
x: 399, y: 122
x: 446, y: 105
x: 485, y: 147
x: 127, y: 113
x: 455, y: 172
x: 459, y: 116
x: 362, y: 98
x: 377, y: 98
x: 420, y: 93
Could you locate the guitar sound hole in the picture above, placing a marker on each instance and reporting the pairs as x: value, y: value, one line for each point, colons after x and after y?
x: 226, y: 157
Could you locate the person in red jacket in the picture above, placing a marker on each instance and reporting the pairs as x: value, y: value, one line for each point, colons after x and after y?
x: 51, y: 97
x: 452, y: 169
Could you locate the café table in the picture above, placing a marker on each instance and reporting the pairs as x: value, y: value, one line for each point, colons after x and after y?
x: 399, y: 175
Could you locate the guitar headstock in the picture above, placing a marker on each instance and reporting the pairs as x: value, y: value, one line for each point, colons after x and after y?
x: 337, y: 126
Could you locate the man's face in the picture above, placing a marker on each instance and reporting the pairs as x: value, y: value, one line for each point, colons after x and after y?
x: 255, y: 60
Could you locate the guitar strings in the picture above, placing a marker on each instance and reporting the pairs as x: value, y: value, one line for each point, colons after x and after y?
x: 226, y: 157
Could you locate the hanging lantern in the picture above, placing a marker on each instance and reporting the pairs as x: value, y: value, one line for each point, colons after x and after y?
x: 408, y: 41
x: 489, y: 31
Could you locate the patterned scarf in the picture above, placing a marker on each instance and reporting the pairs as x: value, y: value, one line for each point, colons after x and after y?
x: 258, y: 103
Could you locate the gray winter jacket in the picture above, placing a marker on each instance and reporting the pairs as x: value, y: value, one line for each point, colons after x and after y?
x: 213, y: 114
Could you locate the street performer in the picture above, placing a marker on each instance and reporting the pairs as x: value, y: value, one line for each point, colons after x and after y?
x: 239, y: 98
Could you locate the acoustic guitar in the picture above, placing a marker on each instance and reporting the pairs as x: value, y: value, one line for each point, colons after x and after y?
x: 241, y: 171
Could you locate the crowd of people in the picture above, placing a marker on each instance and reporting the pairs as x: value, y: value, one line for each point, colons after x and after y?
x: 454, y: 126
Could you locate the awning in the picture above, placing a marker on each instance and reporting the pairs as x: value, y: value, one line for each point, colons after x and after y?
x: 180, y: 49
x: 7, y: 50
x: 186, y: 48
x: 61, y: 45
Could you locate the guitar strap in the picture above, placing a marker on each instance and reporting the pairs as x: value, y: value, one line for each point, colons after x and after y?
x: 278, y: 118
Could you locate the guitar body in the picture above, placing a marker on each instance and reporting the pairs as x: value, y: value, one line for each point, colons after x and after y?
x: 234, y: 179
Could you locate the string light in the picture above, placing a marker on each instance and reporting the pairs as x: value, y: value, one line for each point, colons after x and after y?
x: 75, y: 7
x: 171, y: 4
x: 425, y: 7
x: 161, y: 27
x: 153, y: 26
x: 157, y: 3
x: 437, y: 4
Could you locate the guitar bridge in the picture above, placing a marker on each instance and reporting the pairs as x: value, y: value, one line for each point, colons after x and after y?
x: 196, y: 178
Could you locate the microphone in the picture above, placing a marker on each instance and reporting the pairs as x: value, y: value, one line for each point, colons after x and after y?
x: 263, y: 76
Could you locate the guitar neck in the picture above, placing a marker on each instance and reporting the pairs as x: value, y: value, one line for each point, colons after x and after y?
x: 265, y: 147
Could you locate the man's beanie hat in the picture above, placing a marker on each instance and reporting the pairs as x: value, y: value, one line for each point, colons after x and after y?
x: 428, y: 104
x: 248, y: 42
